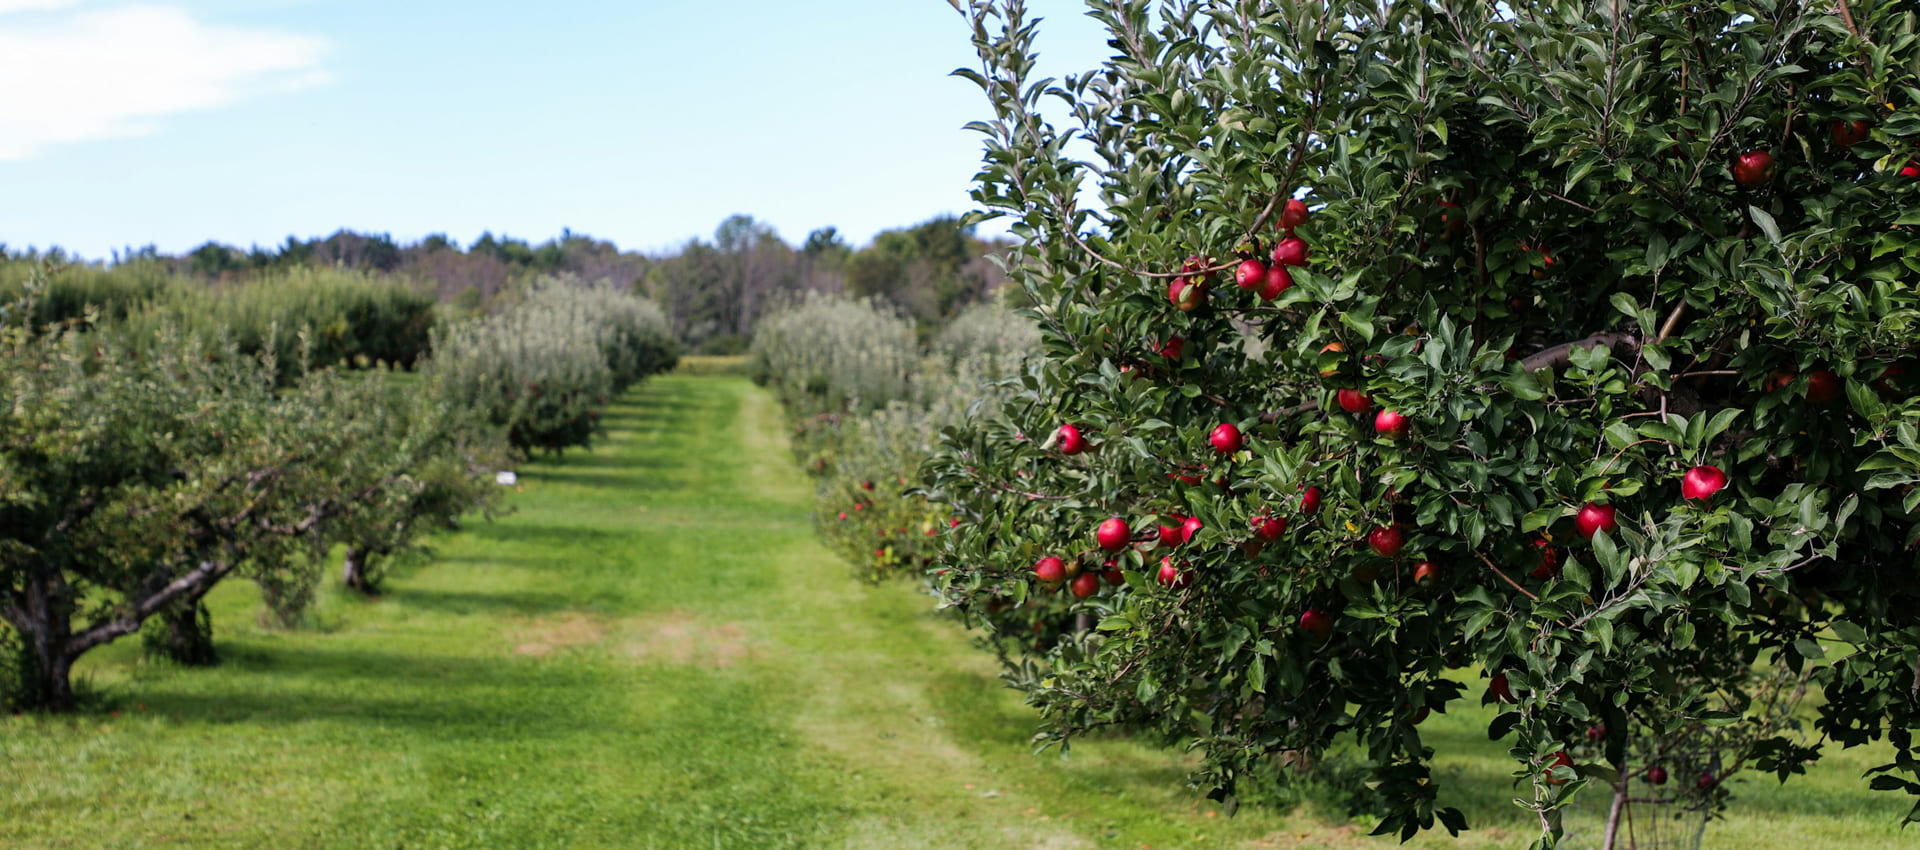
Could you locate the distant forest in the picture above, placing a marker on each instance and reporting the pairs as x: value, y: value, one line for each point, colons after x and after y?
x: 712, y: 290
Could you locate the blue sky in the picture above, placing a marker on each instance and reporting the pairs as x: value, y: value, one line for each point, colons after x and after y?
x: 645, y: 122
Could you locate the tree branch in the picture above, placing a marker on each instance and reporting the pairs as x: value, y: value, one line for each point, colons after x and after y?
x: 128, y: 621
x: 1562, y: 354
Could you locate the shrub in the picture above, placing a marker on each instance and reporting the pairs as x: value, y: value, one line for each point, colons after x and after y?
x: 826, y: 354
x: 1542, y: 237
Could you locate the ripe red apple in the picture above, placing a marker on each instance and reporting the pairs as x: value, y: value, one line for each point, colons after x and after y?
x: 1501, y: 689
x: 1190, y: 528
x: 1391, y: 425
x: 1186, y: 295
x: 1912, y: 169
x: 1292, y: 215
x: 1170, y: 534
x: 1112, y: 573
x: 1172, y: 347
x: 1199, y: 268
x: 1085, y: 585
x: 1310, y: 500
x: 1317, y: 621
x: 1226, y: 438
x: 1353, y: 401
x: 1292, y: 251
x: 1549, y: 566
x: 1386, y: 541
x: 1050, y: 570
x: 1172, y: 576
x: 1846, y: 134
x: 843, y: 515
x: 1114, y: 535
x: 1268, y: 527
x: 1702, y: 482
x: 1251, y: 275
x: 1823, y: 387
x: 1560, y: 759
x: 1596, y: 733
x: 1706, y: 780
x: 1594, y: 518
x: 1426, y: 574
x: 1069, y: 440
x: 1753, y: 168
x: 1657, y: 775
x: 1278, y: 280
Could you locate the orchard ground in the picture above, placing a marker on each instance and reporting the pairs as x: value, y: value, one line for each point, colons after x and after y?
x: 651, y: 651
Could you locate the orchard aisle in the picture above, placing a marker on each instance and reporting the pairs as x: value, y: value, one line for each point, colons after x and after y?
x: 649, y: 651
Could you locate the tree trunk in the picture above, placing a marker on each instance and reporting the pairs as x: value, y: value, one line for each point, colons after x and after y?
x: 353, y: 570
x: 44, y: 621
x: 186, y: 635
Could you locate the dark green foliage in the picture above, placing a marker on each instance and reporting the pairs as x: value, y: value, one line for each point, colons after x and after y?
x: 1526, y: 235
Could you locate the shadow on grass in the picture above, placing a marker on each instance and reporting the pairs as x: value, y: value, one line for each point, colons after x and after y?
x: 491, y: 603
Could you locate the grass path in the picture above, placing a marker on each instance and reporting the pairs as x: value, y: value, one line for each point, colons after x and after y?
x: 649, y: 651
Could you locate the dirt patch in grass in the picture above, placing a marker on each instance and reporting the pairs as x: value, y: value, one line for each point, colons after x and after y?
x: 676, y: 637
x: 545, y: 636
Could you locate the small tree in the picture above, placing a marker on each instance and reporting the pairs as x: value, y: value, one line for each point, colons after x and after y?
x: 1573, y: 341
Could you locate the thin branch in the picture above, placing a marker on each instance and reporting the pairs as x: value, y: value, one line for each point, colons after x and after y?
x: 1497, y: 571
x: 1562, y: 354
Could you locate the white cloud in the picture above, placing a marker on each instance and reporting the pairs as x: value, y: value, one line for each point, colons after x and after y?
x: 109, y: 73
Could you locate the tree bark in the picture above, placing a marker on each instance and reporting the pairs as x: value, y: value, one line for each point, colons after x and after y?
x: 1619, y: 805
x: 188, y: 634
x: 353, y: 570
x: 43, y: 620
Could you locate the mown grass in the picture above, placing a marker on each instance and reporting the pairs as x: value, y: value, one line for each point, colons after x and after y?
x: 651, y: 651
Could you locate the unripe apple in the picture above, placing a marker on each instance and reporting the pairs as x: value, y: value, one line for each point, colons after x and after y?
x: 1069, y: 440
x: 1278, y: 280
x: 1353, y: 401
x: 1823, y: 387
x: 1390, y: 425
x: 1310, y: 500
x: 1333, y: 348
x: 1292, y: 215
x: 1657, y: 775
x: 1292, y: 251
x: 1593, y: 519
x: 1252, y: 274
x: 1317, y: 622
x: 1226, y: 438
x: 1172, y: 576
x: 1702, y: 482
x: 1190, y: 528
x: 1268, y: 527
x: 1085, y: 585
x: 1114, y: 535
x: 1386, y: 541
x: 1753, y: 168
x: 1050, y: 570
x: 1501, y: 689
x: 1426, y: 574
x: 1846, y: 134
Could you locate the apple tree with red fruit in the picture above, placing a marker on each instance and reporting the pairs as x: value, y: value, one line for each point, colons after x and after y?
x: 1529, y: 232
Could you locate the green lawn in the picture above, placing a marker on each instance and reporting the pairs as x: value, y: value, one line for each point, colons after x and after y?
x: 649, y: 651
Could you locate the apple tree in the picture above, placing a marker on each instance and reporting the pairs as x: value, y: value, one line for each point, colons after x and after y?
x: 1565, y: 345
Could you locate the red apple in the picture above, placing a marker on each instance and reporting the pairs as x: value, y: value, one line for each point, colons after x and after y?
x: 1085, y: 585
x: 1251, y: 274
x: 1706, y: 780
x: 1847, y: 134
x: 1114, y: 535
x: 1426, y: 574
x: 1702, y: 482
x: 1596, y: 733
x: 1753, y: 168
x: 843, y: 515
x: 1268, y: 527
x: 1452, y: 221
x: 1560, y: 759
x: 1593, y: 519
x: 1112, y: 573
x: 1549, y: 566
x: 1657, y: 775
x: 1317, y: 621
x: 1292, y: 251
x: 1310, y: 500
x: 1292, y: 215
x: 1050, y: 570
x: 1172, y: 347
x: 1353, y: 401
x: 1912, y: 169
x: 1501, y: 690
x: 1226, y: 438
x: 1170, y: 534
x: 1823, y: 387
x: 1391, y: 425
x: 1172, y: 576
x: 1186, y: 295
x: 1278, y: 280
x: 1069, y: 440
x: 1386, y: 541
x: 1190, y: 528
